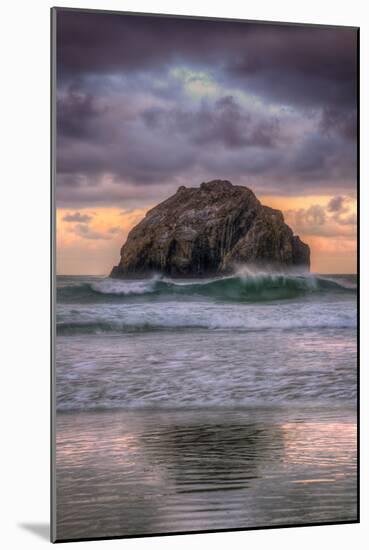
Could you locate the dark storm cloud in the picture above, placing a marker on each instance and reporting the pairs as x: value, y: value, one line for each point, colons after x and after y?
x: 272, y: 106
x: 303, y: 64
x: 223, y: 121
x: 339, y: 121
x: 93, y: 43
x: 76, y: 113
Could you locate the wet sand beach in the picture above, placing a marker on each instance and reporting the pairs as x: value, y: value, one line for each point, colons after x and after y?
x: 147, y: 472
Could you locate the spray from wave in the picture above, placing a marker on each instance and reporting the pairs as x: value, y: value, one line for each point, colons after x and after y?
x: 244, y: 286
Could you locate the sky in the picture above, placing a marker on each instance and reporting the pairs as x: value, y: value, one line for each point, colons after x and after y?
x: 146, y: 104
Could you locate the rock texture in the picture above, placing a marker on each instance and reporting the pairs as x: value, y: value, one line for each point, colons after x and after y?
x: 208, y: 231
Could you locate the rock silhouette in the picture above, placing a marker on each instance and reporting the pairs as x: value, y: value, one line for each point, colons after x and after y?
x: 208, y: 231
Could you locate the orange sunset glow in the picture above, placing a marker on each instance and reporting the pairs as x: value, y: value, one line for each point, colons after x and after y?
x: 91, y: 246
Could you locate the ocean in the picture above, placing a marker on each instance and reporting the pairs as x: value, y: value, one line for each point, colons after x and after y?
x: 197, y: 405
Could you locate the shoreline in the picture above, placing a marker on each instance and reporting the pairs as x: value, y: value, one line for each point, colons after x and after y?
x: 143, y: 472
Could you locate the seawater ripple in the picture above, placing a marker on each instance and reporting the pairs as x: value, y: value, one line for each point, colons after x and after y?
x: 206, y: 369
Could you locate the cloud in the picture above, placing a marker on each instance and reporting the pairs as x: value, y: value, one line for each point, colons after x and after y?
x: 351, y: 219
x: 147, y: 104
x: 77, y: 111
x: 338, y: 121
x: 334, y: 219
x: 77, y: 217
x: 336, y: 204
x: 301, y: 64
x: 342, y: 214
x: 114, y: 230
x: 222, y: 122
x: 84, y: 231
x: 307, y: 220
x: 192, y: 141
x: 315, y: 215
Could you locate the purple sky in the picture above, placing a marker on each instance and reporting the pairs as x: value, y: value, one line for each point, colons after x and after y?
x: 148, y: 103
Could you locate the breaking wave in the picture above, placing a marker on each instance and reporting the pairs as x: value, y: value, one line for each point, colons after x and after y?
x: 242, y: 287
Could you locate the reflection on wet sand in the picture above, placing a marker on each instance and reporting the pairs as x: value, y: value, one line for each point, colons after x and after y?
x: 142, y: 472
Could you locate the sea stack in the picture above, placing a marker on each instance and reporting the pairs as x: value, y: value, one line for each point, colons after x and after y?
x: 210, y: 231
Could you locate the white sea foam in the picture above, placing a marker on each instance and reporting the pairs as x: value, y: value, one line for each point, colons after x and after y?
x: 171, y: 315
x: 198, y: 369
x: 126, y: 288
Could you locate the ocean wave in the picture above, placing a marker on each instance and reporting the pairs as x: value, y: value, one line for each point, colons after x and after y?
x: 124, y: 318
x: 245, y: 286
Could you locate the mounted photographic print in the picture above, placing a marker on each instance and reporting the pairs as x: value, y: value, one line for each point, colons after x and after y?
x: 204, y: 360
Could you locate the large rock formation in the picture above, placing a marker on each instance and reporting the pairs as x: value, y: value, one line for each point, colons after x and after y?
x: 207, y: 231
